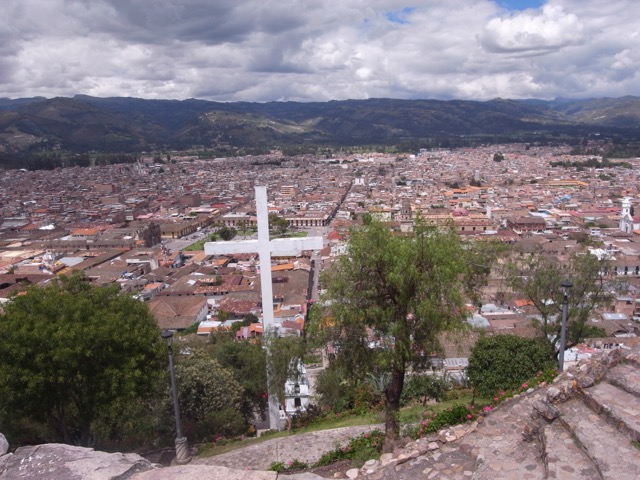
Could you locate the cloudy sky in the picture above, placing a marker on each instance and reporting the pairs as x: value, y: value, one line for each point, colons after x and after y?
x: 317, y: 50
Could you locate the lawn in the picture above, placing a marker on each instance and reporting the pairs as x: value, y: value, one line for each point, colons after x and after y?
x: 199, y: 245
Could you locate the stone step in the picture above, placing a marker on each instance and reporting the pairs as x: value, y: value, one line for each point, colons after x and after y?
x: 564, y: 460
x: 625, y: 376
x: 613, y: 454
x: 620, y: 408
x: 499, y: 445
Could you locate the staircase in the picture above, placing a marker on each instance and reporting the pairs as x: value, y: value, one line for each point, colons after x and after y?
x: 584, y: 426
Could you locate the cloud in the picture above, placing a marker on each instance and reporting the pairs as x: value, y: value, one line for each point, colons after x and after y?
x: 532, y: 32
x: 327, y: 49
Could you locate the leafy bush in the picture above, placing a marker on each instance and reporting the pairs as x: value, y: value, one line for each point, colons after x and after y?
x: 206, y: 390
x: 365, y: 398
x: 306, y: 418
x: 228, y: 422
x: 457, y: 414
x: 290, y: 466
x: 423, y: 388
x: 359, y: 449
x: 278, y: 467
x: 433, y: 422
x: 505, y: 362
x: 334, y: 391
x: 457, y: 393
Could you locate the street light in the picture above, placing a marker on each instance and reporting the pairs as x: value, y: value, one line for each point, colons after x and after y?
x: 182, y: 447
x: 566, y: 286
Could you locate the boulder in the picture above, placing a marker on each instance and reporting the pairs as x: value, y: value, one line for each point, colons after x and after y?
x: 4, y: 445
x: 56, y: 461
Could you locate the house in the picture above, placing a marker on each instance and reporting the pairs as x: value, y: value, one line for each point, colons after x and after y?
x: 297, y: 393
x: 178, y: 313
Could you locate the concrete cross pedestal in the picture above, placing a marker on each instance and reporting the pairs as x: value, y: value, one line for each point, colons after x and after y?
x: 265, y: 247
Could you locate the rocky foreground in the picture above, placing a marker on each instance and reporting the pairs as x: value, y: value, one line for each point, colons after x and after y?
x: 586, y: 425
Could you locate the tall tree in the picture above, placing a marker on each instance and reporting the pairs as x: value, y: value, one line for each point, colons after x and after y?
x: 74, y: 356
x: 538, y: 278
x: 390, y: 297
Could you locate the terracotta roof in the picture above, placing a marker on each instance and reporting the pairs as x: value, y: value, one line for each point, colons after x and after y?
x: 176, y: 313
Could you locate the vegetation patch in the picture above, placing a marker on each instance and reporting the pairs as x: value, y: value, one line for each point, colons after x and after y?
x: 358, y: 450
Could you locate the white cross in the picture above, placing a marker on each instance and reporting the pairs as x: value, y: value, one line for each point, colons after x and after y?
x: 265, y: 247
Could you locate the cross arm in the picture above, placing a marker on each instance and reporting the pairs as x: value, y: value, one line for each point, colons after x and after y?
x: 226, y: 248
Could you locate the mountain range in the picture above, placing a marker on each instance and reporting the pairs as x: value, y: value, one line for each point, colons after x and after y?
x: 91, y: 124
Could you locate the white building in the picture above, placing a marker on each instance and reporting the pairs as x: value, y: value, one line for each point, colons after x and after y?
x: 297, y: 393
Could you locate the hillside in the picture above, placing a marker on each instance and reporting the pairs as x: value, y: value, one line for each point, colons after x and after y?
x: 83, y: 123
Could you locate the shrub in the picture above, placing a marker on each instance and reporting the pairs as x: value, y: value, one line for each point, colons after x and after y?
x: 290, y: 466
x: 227, y: 422
x: 306, y: 418
x: 423, y: 388
x: 437, y: 421
x: 334, y: 391
x: 505, y: 362
x: 359, y: 449
x: 365, y: 397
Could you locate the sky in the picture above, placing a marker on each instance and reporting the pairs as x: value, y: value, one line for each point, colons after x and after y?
x: 320, y: 50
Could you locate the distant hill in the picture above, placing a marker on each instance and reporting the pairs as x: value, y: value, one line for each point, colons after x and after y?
x: 84, y: 123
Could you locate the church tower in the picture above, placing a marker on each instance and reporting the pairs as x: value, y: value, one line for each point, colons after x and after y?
x: 626, y: 221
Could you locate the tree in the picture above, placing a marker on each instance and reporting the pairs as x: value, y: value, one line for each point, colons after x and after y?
x: 227, y: 233
x: 277, y: 222
x: 75, y: 357
x: 248, y: 362
x: 538, y: 278
x: 206, y: 390
x: 504, y: 362
x: 391, y: 296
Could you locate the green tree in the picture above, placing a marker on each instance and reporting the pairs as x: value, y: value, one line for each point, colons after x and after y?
x: 205, y: 389
x: 276, y: 222
x: 504, y: 362
x: 75, y: 356
x: 391, y: 296
x: 227, y: 233
x: 538, y: 278
x: 248, y: 362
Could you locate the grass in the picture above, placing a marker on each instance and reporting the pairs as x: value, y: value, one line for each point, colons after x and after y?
x: 199, y: 245
x: 287, y: 234
x: 413, y: 413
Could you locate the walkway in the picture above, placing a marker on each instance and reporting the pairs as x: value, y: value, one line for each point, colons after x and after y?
x: 306, y: 447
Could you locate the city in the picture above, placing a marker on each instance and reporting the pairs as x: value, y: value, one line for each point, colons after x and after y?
x: 97, y: 220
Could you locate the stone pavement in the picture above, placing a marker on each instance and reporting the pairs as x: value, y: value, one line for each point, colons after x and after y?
x: 584, y: 426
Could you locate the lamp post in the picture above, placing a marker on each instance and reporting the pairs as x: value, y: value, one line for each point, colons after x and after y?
x: 182, y: 447
x: 566, y: 286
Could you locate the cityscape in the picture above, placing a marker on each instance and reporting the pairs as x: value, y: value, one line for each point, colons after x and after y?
x: 348, y: 240
x: 134, y: 224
